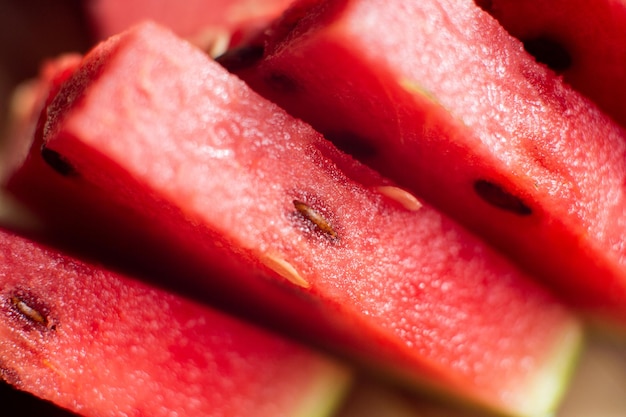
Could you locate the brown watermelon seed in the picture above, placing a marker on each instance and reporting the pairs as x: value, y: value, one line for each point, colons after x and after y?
x: 36, y: 313
x: 316, y: 218
x: 57, y: 162
x: 241, y: 58
x: 283, y: 268
x: 549, y: 52
x: 498, y: 197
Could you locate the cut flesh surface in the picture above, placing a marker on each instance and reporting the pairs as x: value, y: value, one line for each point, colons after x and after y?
x: 581, y: 39
x: 450, y: 106
x: 280, y: 219
x: 102, y: 344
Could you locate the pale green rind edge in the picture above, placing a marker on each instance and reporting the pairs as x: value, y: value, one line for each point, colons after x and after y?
x: 329, y: 386
x: 547, y: 388
x: 540, y: 396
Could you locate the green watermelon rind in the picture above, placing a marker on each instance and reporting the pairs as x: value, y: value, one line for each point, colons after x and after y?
x: 327, y: 391
x: 545, y: 390
x: 548, y: 388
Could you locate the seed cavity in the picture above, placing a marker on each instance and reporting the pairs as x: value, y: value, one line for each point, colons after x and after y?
x: 35, y: 313
x: 404, y: 198
x: 10, y: 376
x: 57, y: 162
x: 498, y: 197
x: 283, y: 268
x: 549, y: 52
x: 315, y: 219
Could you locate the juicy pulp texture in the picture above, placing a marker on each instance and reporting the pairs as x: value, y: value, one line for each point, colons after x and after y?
x: 587, y: 35
x: 278, y: 218
x: 101, y: 344
x: 450, y: 106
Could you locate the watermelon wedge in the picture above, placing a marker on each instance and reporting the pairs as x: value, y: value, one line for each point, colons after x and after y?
x: 101, y: 344
x: 275, y: 218
x: 582, y: 39
x: 211, y: 24
x: 450, y: 106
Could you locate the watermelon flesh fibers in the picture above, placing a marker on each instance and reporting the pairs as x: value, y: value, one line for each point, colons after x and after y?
x: 450, y: 106
x: 294, y: 228
x: 101, y: 344
x: 581, y: 39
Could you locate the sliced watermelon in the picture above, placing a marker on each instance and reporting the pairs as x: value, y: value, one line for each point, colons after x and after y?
x: 276, y: 218
x: 27, y: 101
x: 581, y: 39
x: 101, y: 344
x: 212, y: 24
x: 449, y: 105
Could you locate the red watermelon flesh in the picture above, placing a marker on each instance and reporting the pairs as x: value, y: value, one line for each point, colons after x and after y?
x: 581, y: 39
x: 449, y: 105
x: 282, y: 220
x: 211, y: 23
x: 101, y: 344
x: 27, y: 102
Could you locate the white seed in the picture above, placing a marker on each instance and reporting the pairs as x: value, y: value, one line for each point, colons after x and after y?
x: 283, y: 268
x: 406, y: 199
x: 214, y: 41
x: 28, y: 312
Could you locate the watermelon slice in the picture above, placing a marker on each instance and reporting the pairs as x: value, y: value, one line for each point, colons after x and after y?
x: 211, y: 24
x: 450, y: 106
x: 101, y: 344
x: 274, y: 217
x: 581, y: 39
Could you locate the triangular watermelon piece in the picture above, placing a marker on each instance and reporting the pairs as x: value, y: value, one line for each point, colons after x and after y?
x: 211, y: 24
x: 275, y: 217
x: 101, y: 344
x: 581, y: 39
x: 436, y: 95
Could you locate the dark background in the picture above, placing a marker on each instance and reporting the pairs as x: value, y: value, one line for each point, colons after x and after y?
x: 32, y: 30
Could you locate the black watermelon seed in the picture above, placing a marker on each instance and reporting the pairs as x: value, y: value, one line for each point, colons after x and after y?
x: 353, y: 144
x: 498, y: 197
x: 549, y: 52
x: 241, y: 58
x: 57, y: 162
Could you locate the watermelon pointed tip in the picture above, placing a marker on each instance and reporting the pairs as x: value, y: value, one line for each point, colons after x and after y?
x: 547, y: 387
